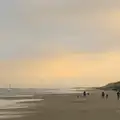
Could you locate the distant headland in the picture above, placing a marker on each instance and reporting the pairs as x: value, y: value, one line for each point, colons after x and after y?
x: 111, y: 86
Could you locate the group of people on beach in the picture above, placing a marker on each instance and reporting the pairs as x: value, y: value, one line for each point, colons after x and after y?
x: 104, y: 95
x: 84, y: 94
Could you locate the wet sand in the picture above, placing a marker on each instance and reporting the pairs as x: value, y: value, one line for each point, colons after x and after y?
x: 68, y: 107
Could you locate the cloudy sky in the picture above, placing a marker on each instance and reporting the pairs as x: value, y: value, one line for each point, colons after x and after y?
x: 59, y: 43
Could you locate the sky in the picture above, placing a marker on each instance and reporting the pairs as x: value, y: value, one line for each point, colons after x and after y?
x: 59, y: 43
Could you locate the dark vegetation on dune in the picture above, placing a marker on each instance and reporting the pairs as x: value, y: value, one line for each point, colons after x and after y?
x: 111, y: 86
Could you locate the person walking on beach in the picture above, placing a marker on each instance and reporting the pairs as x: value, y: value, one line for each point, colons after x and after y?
x: 88, y: 93
x: 118, y: 95
x: 106, y: 96
x: 103, y: 95
x: 77, y: 96
x: 84, y: 93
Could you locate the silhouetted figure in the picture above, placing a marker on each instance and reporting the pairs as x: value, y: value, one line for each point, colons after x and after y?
x: 103, y: 95
x: 84, y: 93
x: 118, y: 95
x: 88, y: 93
x: 106, y: 96
x: 77, y: 96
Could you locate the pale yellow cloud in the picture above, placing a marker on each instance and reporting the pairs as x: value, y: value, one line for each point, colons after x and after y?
x: 82, y: 65
x: 70, y: 69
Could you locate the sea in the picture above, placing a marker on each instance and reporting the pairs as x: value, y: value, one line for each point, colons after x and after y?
x: 15, y: 101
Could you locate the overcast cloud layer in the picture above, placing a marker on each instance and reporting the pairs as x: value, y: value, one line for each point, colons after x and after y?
x: 43, y: 31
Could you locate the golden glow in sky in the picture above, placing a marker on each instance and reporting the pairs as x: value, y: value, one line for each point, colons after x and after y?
x: 77, y: 69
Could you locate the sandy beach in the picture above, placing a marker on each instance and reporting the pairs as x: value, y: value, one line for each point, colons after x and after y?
x: 68, y: 107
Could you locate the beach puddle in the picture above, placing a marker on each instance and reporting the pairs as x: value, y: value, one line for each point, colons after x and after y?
x: 9, y: 116
x: 8, y: 108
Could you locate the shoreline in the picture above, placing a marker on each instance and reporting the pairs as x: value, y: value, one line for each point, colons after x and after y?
x: 69, y: 107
